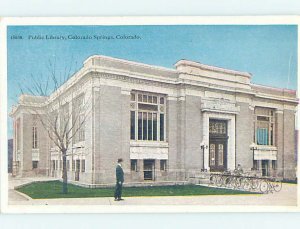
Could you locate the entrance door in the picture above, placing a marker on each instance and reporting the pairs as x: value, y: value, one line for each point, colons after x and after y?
x: 149, y: 168
x: 217, y: 155
x: 217, y: 145
x: 265, y: 167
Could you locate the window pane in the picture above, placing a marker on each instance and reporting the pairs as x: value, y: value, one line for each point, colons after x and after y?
x: 145, y: 98
x: 271, y: 135
x: 148, y: 107
x: 133, y: 165
x: 221, y: 153
x: 150, y: 99
x: 161, y: 127
x: 262, y: 136
x: 163, y: 165
x: 132, y: 125
x: 263, y: 118
x: 155, y: 99
x: 83, y: 166
x: 145, y: 126
x: 132, y: 97
x: 140, y: 133
x: 140, y: 98
x: 212, y: 151
x: 162, y: 100
x: 155, y: 127
x: 149, y: 126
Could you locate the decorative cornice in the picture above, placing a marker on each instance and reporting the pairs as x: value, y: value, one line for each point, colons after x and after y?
x: 128, y: 62
x: 211, y: 68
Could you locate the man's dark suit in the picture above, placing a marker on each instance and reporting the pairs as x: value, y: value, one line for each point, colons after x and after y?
x: 120, y: 180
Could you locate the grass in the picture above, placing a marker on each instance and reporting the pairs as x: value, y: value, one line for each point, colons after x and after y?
x: 52, y: 189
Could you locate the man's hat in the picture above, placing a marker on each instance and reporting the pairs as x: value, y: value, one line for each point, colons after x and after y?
x: 120, y: 160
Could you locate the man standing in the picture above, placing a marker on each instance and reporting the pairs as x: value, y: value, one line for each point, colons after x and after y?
x: 120, y: 180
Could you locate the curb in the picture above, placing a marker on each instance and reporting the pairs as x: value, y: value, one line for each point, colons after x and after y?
x: 23, y: 195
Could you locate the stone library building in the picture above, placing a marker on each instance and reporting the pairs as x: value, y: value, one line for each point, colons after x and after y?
x: 166, y: 124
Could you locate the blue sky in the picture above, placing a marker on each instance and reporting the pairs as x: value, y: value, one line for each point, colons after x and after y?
x: 263, y: 50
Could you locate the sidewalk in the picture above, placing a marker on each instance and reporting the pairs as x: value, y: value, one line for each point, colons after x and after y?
x: 286, y: 197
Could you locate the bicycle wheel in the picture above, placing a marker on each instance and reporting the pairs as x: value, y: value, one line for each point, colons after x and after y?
x: 228, y: 182
x: 247, y: 184
x: 277, y: 185
x: 264, y: 186
x: 213, y: 179
x: 220, y: 181
x: 237, y: 183
x: 254, y: 184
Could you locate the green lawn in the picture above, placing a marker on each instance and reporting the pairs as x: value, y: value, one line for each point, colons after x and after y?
x: 52, y: 189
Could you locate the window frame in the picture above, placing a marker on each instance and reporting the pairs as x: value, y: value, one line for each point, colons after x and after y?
x: 153, y: 99
x: 163, y: 165
x: 78, y: 104
x: 35, y: 164
x: 34, y: 137
x: 261, y: 113
x: 133, y: 165
x: 83, y: 165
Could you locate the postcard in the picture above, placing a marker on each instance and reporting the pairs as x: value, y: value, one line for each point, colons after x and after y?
x: 149, y: 114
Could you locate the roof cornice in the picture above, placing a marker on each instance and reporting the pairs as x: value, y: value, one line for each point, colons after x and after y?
x: 211, y: 68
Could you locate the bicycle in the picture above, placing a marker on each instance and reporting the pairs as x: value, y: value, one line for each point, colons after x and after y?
x: 270, y: 184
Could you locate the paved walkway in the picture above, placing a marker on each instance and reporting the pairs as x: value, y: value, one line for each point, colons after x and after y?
x: 286, y: 197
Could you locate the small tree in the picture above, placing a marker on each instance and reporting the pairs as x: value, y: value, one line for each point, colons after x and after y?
x: 63, y: 126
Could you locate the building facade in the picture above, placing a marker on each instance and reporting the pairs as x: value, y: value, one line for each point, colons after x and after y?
x: 166, y: 124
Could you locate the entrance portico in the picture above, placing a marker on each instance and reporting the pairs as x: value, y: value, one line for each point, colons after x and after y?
x: 219, y: 109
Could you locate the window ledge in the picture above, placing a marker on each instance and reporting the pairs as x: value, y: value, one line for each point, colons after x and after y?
x: 78, y: 145
x: 265, y: 148
x: 149, y: 144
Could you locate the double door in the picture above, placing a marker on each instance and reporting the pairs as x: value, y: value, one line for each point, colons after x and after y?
x: 217, y: 155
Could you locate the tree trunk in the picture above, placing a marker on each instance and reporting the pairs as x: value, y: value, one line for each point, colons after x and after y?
x: 65, y: 173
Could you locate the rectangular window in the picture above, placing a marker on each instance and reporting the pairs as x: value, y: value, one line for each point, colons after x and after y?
x: 144, y: 115
x: 262, y: 136
x: 35, y: 164
x: 145, y: 125
x: 217, y: 127
x: 64, y: 118
x: 73, y: 165
x: 83, y: 166
x: 212, y: 154
x: 53, y: 164
x: 155, y: 127
x: 163, y: 165
x: 133, y: 165
x: 78, y: 165
x: 61, y: 165
x: 78, y: 119
x: 147, y: 107
x: 264, y: 126
x: 221, y: 153
x: 132, y: 96
x: 140, y: 126
x: 162, y: 127
x: 68, y: 165
x: 150, y: 126
x: 34, y: 138
x: 162, y: 100
x: 132, y: 125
